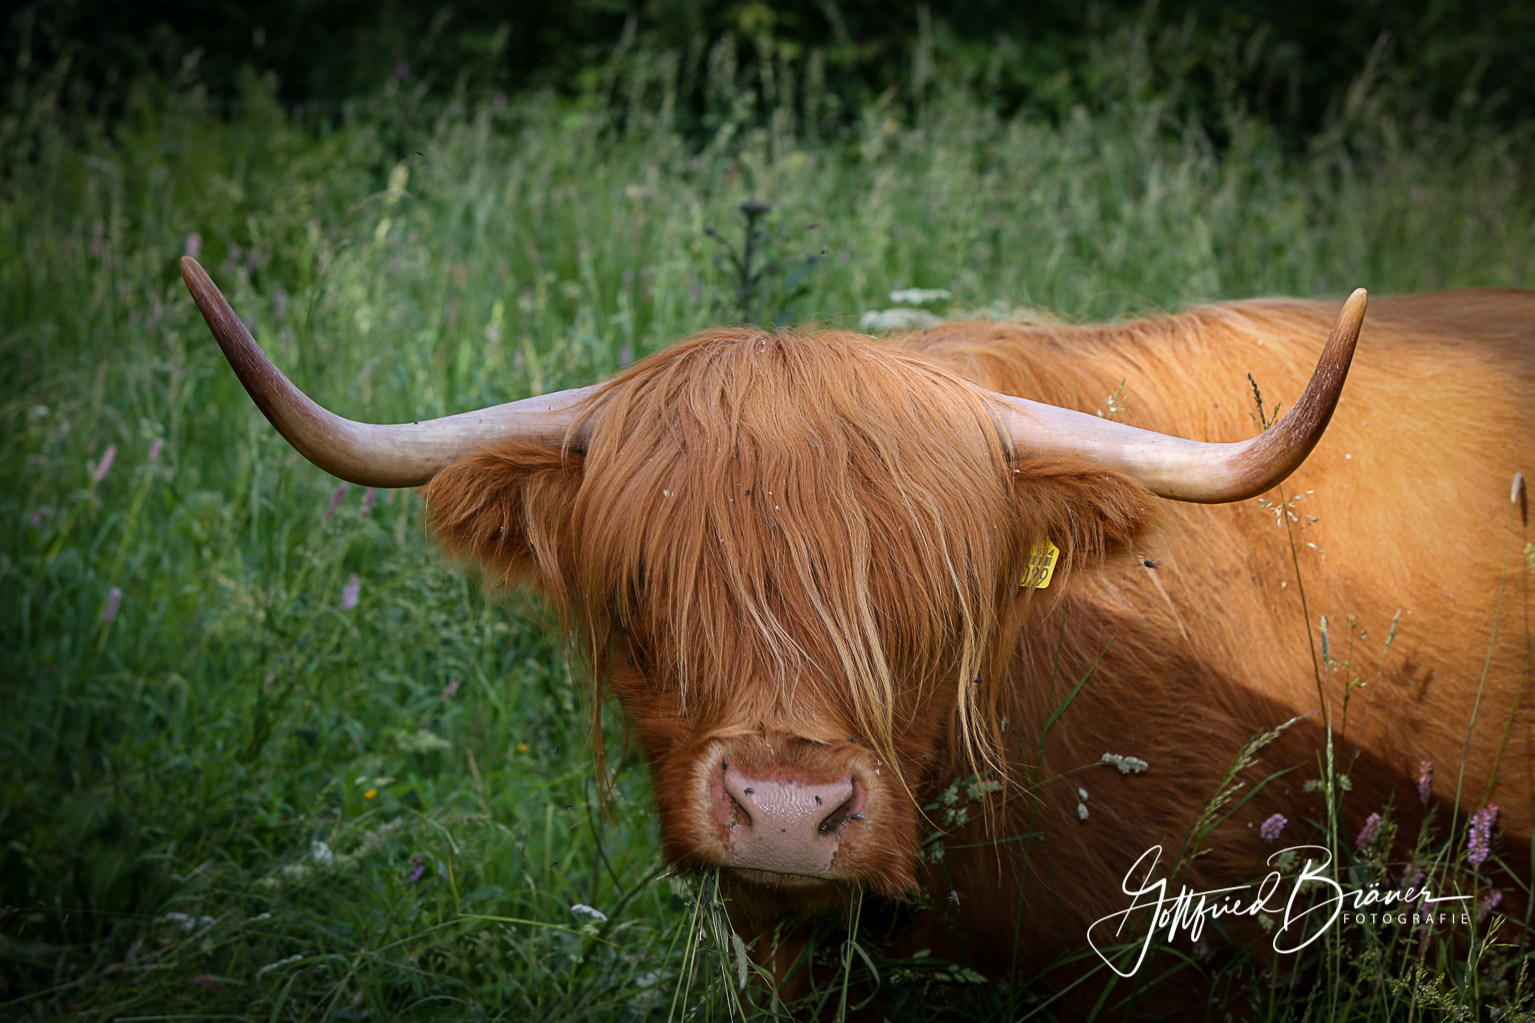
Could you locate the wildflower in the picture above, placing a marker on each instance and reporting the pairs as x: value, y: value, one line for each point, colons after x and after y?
x: 1425, y: 781
x: 1369, y: 832
x: 105, y: 465
x: 920, y: 296
x: 188, y: 922
x: 523, y: 747
x: 321, y: 853
x: 370, y: 794
x: 1269, y: 830
x: 423, y: 740
x: 350, y: 592
x: 881, y: 320
x: 1126, y: 765
x: 279, y: 964
x: 368, y: 497
x: 1479, y: 841
x: 114, y: 600
x: 584, y: 910
x: 194, y: 244
x: 35, y: 520
x: 451, y: 688
x: 1490, y: 902
x: 417, y: 869
x: 335, y: 501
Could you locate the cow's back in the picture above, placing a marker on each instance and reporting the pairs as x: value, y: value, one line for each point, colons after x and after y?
x: 1404, y: 507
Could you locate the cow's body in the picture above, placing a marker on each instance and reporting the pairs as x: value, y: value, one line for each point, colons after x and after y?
x: 1407, y: 503
x: 795, y: 560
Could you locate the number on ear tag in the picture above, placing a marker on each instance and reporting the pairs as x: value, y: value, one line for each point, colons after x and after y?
x: 1042, y: 559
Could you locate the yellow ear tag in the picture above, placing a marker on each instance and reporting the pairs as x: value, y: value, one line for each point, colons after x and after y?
x: 1042, y: 559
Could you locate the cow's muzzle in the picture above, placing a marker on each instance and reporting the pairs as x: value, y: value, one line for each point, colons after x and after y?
x: 784, y: 811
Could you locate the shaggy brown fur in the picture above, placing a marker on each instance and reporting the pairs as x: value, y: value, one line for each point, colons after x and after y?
x: 783, y: 542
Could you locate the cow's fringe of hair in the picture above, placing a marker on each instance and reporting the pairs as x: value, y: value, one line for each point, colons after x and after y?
x: 771, y: 512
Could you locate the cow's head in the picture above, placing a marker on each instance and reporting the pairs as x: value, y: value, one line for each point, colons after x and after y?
x: 796, y: 561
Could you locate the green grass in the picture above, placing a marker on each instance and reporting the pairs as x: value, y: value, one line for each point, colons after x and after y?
x: 388, y: 810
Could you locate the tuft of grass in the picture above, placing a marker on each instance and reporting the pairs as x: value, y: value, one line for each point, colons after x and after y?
x: 264, y: 754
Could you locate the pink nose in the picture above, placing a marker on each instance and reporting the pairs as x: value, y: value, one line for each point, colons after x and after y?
x: 783, y: 825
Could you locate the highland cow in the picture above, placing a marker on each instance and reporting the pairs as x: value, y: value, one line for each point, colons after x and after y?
x: 833, y: 580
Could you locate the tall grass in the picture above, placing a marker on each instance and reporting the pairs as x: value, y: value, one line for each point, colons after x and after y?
x: 264, y: 754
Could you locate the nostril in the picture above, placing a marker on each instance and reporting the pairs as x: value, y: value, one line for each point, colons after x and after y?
x: 839, y: 816
x: 739, y: 815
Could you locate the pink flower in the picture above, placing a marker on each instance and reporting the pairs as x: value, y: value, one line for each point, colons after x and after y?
x: 105, y: 465
x: 114, y: 600
x: 155, y: 449
x: 1369, y: 832
x: 369, y: 496
x: 1271, y: 828
x: 194, y: 244
x: 350, y: 591
x: 1425, y: 781
x: 451, y: 688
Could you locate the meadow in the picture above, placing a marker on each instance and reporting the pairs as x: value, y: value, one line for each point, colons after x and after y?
x: 264, y: 753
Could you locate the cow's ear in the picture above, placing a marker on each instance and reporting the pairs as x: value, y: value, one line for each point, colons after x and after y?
x: 509, y: 509
x: 1089, y: 513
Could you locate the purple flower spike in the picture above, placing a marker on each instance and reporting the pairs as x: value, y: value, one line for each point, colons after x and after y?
x: 1479, y: 842
x: 335, y: 501
x: 105, y: 465
x: 1425, y: 781
x: 350, y: 592
x: 1369, y: 832
x: 1270, y: 829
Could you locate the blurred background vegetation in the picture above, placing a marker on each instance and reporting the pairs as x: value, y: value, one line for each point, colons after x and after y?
x: 1285, y: 61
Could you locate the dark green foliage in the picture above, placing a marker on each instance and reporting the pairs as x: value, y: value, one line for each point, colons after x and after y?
x: 1284, y: 62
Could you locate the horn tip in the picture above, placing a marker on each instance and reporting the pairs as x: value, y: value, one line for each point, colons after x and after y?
x: 192, y: 270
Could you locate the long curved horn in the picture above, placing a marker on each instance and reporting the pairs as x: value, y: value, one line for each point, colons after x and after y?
x: 368, y: 454
x: 1188, y: 470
